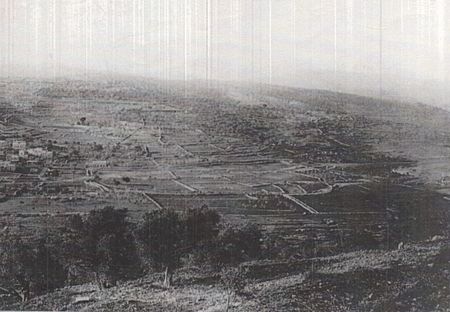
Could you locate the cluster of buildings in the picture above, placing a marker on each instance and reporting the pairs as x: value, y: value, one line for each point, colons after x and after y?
x: 15, y: 154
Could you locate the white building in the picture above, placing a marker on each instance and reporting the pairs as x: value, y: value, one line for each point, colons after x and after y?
x: 4, y: 144
x: 7, y: 166
x: 40, y: 152
x: 97, y: 164
x: 12, y: 158
x: 19, y: 145
x: 22, y: 154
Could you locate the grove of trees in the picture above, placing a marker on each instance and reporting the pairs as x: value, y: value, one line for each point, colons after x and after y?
x: 28, y: 269
x: 105, y: 247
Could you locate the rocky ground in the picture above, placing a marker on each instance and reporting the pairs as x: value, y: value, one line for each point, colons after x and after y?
x: 413, y: 277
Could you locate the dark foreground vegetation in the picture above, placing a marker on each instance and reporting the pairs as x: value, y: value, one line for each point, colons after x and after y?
x: 106, y: 248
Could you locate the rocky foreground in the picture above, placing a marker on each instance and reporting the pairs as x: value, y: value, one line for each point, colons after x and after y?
x: 413, y: 277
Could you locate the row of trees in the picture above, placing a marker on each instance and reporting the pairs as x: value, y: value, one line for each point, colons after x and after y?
x: 106, y: 247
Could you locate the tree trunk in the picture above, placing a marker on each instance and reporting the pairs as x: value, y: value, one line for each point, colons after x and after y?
x: 26, y: 295
x: 167, y: 277
x: 20, y: 294
x: 26, y: 292
x: 228, y: 300
x: 98, y: 281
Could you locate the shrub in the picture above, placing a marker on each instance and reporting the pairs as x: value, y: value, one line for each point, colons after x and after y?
x: 362, y: 239
x: 16, y: 267
x: 161, y: 234
x: 276, y: 247
x: 236, y: 244
x: 442, y: 259
x: 105, y: 246
x: 201, y: 225
x: 49, y: 271
x: 167, y: 236
x: 27, y: 270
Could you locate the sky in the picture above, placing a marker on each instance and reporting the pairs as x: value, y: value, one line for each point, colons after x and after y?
x: 391, y: 48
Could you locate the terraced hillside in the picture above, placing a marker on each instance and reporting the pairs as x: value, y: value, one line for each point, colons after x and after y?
x: 324, y: 172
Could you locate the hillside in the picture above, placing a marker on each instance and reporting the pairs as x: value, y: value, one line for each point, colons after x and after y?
x: 413, y: 278
x: 338, y: 181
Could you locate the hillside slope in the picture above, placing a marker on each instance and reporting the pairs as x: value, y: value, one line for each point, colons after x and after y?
x: 339, y: 180
x: 413, y: 278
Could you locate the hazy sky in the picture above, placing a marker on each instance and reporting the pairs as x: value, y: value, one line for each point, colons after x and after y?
x: 348, y: 45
